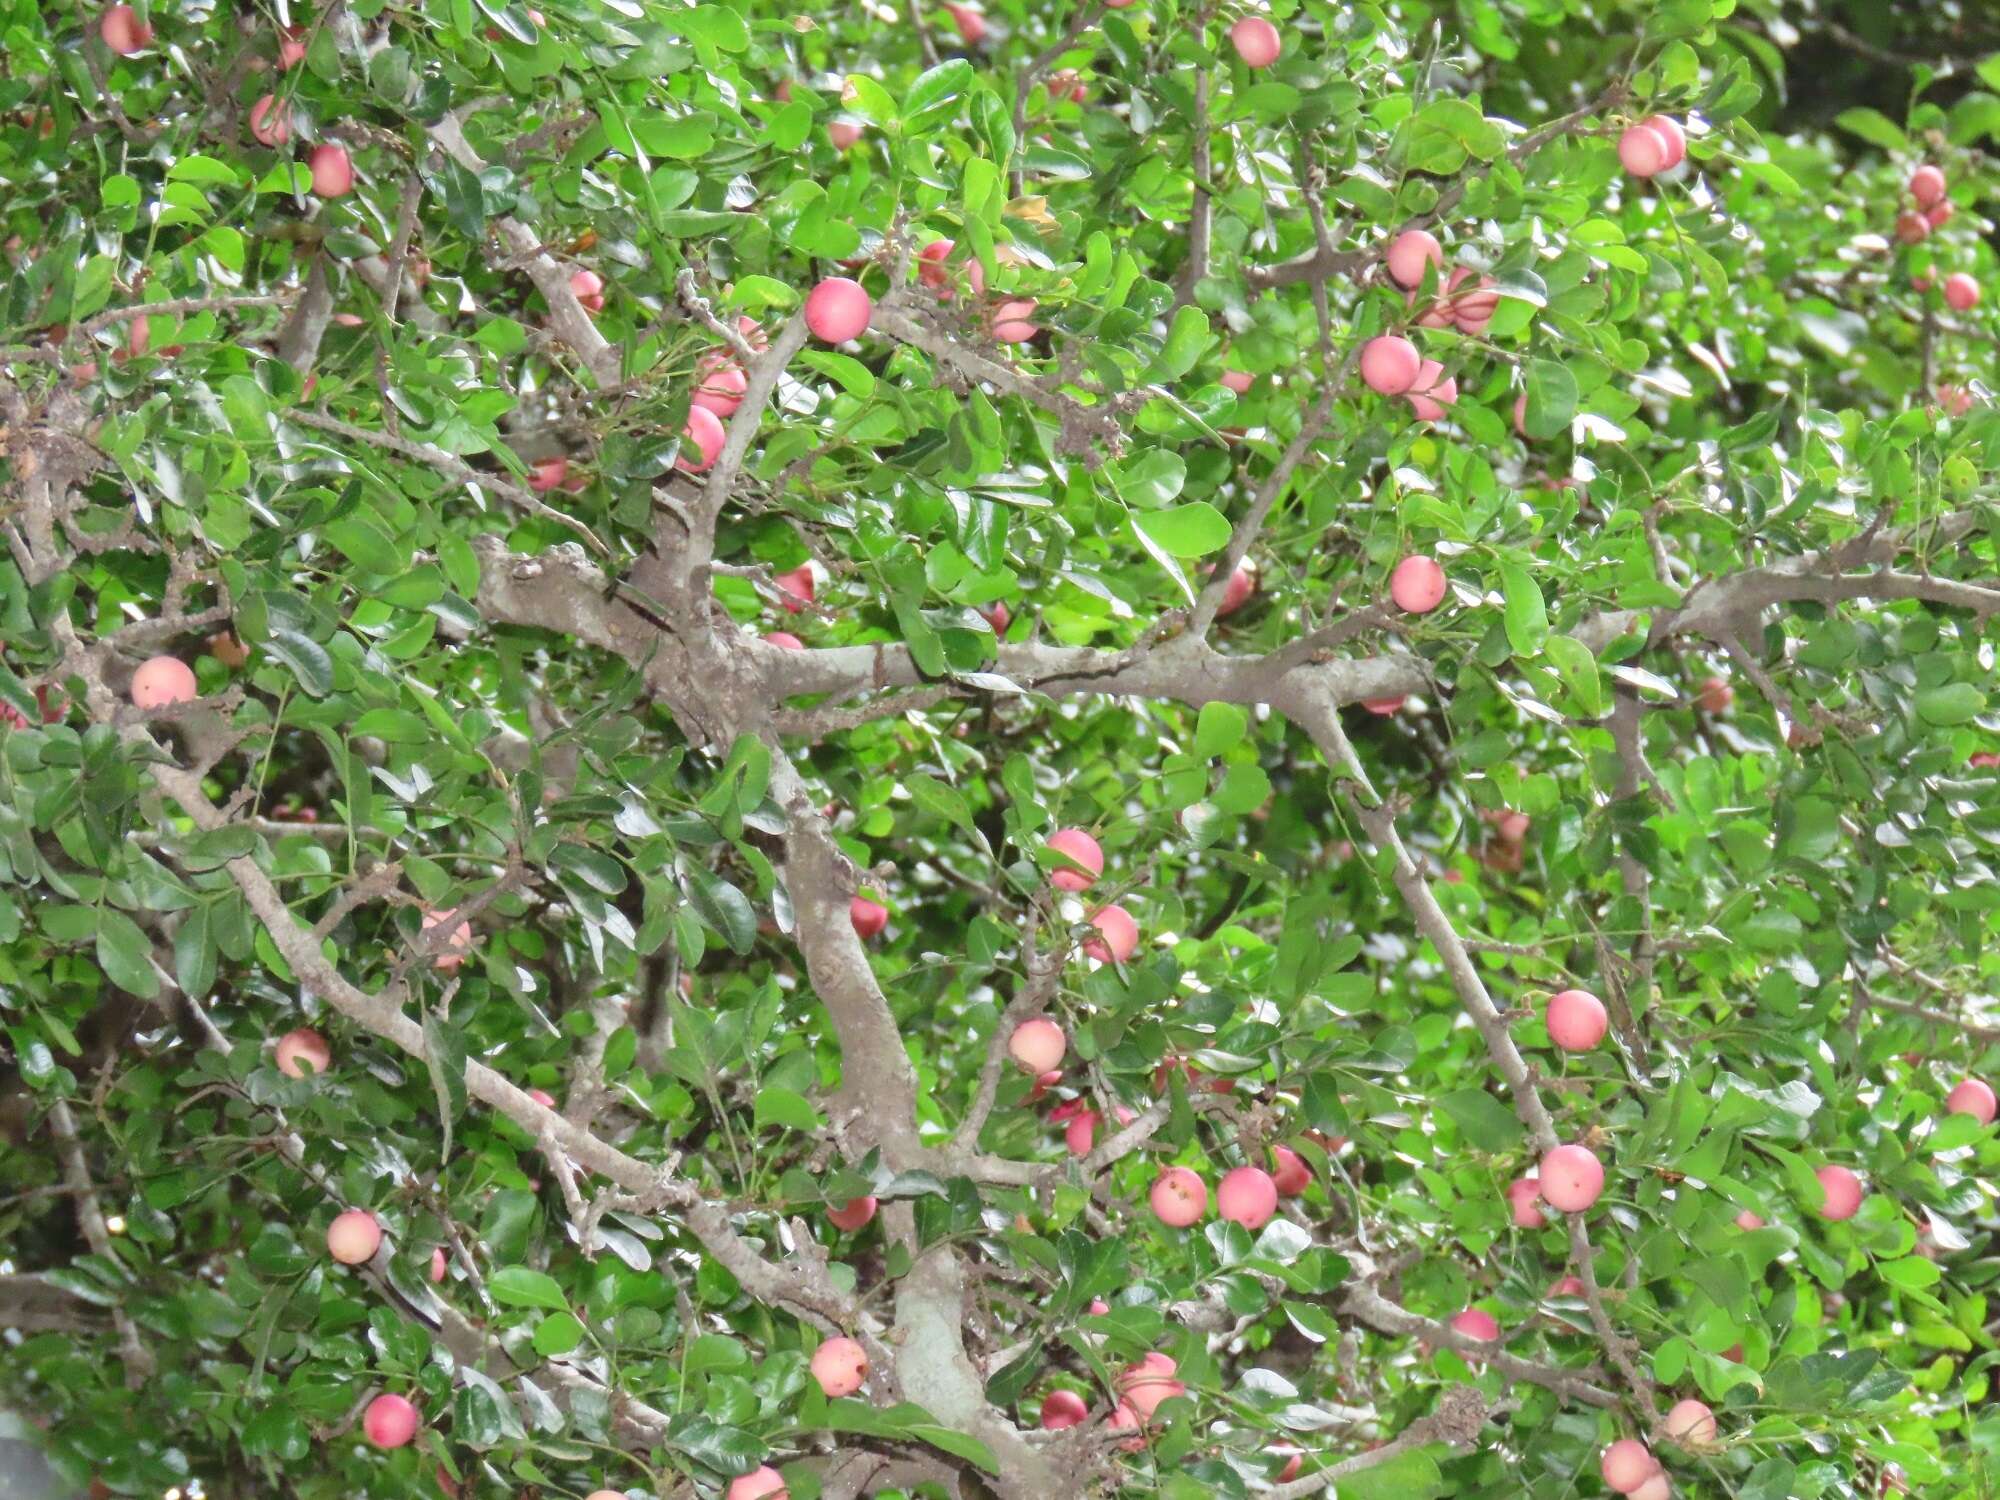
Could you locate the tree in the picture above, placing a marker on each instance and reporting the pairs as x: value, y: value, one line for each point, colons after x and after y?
x: 566, y: 569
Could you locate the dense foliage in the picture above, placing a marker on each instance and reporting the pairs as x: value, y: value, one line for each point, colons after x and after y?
x: 521, y: 896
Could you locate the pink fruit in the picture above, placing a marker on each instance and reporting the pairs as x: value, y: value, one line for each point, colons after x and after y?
x: 1521, y: 414
x: 1658, y: 1487
x: 1099, y: 1307
x: 1961, y: 291
x: 1238, y: 381
x: 722, y: 387
x: 1572, y: 1178
x: 1669, y: 130
x: 1939, y: 213
x: 332, y: 171
x: 1577, y: 1021
x: 998, y: 616
x: 1569, y: 1286
x: 931, y: 268
x: 854, y: 1215
x: 543, y: 1097
x: 353, y: 1237
x: 1294, y: 1461
x: 795, y: 589
x: 1523, y: 1198
x: 1247, y: 1195
x: 1062, y: 1409
x: 437, y: 1263
x: 588, y: 288
x: 1476, y: 1323
x: 840, y: 1365
x: 1118, y: 935
x: 1691, y: 1423
x: 1972, y: 1097
x: 1432, y: 393
x: 844, y: 133
x: 1714, y: 695
x: 1912, y: 227
x: 1289, y: 1172
x: 838, y: 310
x: 456, y: 945
x: 869, y: 917
x: 291, y: 48
x: 1256, y: 41
x: 1143, y: 1386
x: 1389, y: 364
x: 1038, y: 1045
x: 123, y: 31
x: 1009, y: 322
x: 761, y: 1483
x: 1927, y: 185
x: 548, y: 474
x: 1627, y: 1464
x: 1473, y: 310
x: 1384, y: 707
x: 389, y: 1422
x: 1409, y: 253
x: 1179, y: 1197
x: 701, y: 440
x: 270, y: 122
x: 161, y: 681
x: 1957, y: 401
x: 1644, y: 152
x: 303, y: 1052
x: 1841, y: 1190
x: 1417, y: 585
x: 1236, y: 593
x: 1075, y: 844
x: 1748, y: 1220
x: 1082, y: 1132
x: 970, y: 23
x: 1124, y: 1419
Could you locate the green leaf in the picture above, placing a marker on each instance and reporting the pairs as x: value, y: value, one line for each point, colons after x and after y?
x: 1876, y: 128
x: 307, y: 658
x: 1950, y: 703
x: 782, y: 1107
x: 125, y: 954
x: 723, y: 907
x: 1913, y: 1272
x: 1150, y: 479
x: 556, y: 1334
x: 1552, y: 398
x: 1187, y: 341
x: 1412, y: 1476
x: 202, y: 169
x: 1484, y: 1121
x: 937, y: 87
x: 1527, y: 616
x: 1187, y: 530
x: 521, y: 1286
x: 1220, y: 727
x: 717, y: 25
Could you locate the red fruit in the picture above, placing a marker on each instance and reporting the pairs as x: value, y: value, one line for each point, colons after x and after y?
x: 1569, y: 1286
x: 1748, y: 1220
x: 1289, y: 1172
x: 353, y: 1237
x: 761, y: 1483
x: 1433, y: 392
x: 1939, y: 214
x: 1927, y: 186
x: 840, y: 1365
x: 1247, y: 1195
x: 1010, y: 324
x: 1473, y: 310
x: 1972, y: 1097
x: 1714, y: 695
x: 971, y: 24
x: 1627, y: 1464
x: 543, y: 1097
x: 1236, y: 593
x: 1961, y: 291
x: 1384, y: 706
x: 161, y: 681
x: 702, y: 440
x: 588, y: 288
x: 838, y: 310
x: 1294, y: 1460
x: 1409, y: 253
x: 1099, y: 1307
x: 389, y: 1422
x: 1912, y: 227
x: 1038, y: 1045
x: 997, y: 615
x: 548, y: 474
x: 1572, y: 1178
x: 332, y: 171
x: 1179, y: 1197
x: 291, y: 48
x: 869, y: 917
x: 303, y: 1052
x: 1124, y: 1419
x: 1238, y: 381
x: 856, y: 1213
x: 1644, y: 152
x: 1062, y: 1409
x: 844, y: 134
x: 1143, y: 1386
x: 1118, y: 936
x: 1690, y: 1423
x: 1389, y: 364
x: 1957, y: 401
x: 1256, y: 41
x: 1840, y: 1190
x: 784, y: 640
x: 1082, y: 1132
x: 1669, y: 130
x: 123, y: 31
x: 270, y: 122
x: 722, y: 385
x: 1075, y: 844
x: 1475, y: 1323
x: 1576, y: 1019
x: 1417, y: 585
x: 1523, y: 1198
x: 457, y: 945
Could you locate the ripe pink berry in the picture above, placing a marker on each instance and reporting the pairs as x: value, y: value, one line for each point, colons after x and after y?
x: 1124, y: 1419
x: 702, y: 440
x: 840, y: 1365
x: 1972, y: 1097
x: 1247, y: 1195
x: 795, y: 589
x: 1749, y: 1220
x: 1236, y: 593
x: 437, y: 1263
x: 1569, y: 1286
x: 1841, y: 1191
x: 1384, y: 707
x: 161, y: 681
x: 869, y: 917
x: 1669, y: 130
x: 1939, y: 213
x: 123, y: 31
x: 971, y: 24
x: 1961, y: 291
x: 1009, y: 322
x: 588, y: 289
x: 389, y: 1422
x: 1643, y: 151
x: 1577, y: 1021
x: 1521, y: 414
x: 1658, y: 1487
x: 270, y: 122
x: 722, y: 385
x: 1912, y: 227
x: 332, y: 171
x: 1691, y: 1423
x: 1627, y: 1464
x: 1472, y: 310
x: 844, y: 133
x: 1179, y: 1197
x: 457, y: 943
x: 1389, y: 364
x: 543, y: 1097
x: 1289, y: 1172
x: 1075, y: 844
x: 1714, y: 695
x: 1256, y: 41
x: 353, y: 1237
x: 291, y: 48
x: 1144, y: 1385
x: 838, y: 310
x: 1118, y: 935
x: 1927, y: 185
x: 1082, y: 1132
x: 761, y: 1483
x: 1956, y: 401
x: 303, y: 1052
x: 1432, y: 392
x: 1238, y: 381
x: 852, y: 1215
x: 1061, y: 1409
x: 548, y: 474
x: 1417, y: 585
x: 1409, y: 253
x: 784, y: 640
x: 1572, y: 1178
x: 1524, y: 1200
x: 1038, y: 1045
x: 1476, y: 1323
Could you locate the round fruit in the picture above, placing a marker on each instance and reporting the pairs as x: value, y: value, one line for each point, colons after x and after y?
x: 1927, y: 185
x: 1627, y: 1464
x: 1256, y: 41
x: 1118, y: 935
x: 840, y: 1365
x: 161, y: 681
x: 1179, y: 1197
x: 1409, y: 253
x: 1038, y: 1045
x: 1076, y: 845
x: 1572, y: 1178
x: 353, y: 1237
x: 853, y: 1215
x: 869, y: 917
x: 303, y: 1052
x: 1690, y: 1422
x: 1972, y: 1097
x: 1841, y: 1192
x: 1247, y: 1195
x: 332, y: 171
x: 1389, y: 364
x: 1475, y: 1323
x: 1061, y: 1409
x: 701, y: 440
x: 1289, y: 1172
x: 838, y: 310
x: 1417, y: 585
x: 1577, y: 1020
x: 1644, y: 152
x: 389, y: 1422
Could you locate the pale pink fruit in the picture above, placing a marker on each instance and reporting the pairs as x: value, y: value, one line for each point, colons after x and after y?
x: 123, y: 31
x: 161, y: 681
x: 869, y: 917
x: 1236, y: 593
x: 1238, y: 381
x: 852, y: 1215
x: 456, y: 945
x: 1572, y: 1178
x: 1289, y: 1172
x: 270, y: 122
x: 1643, y: 151
x: 1627, y: 1464
x: 1972, y: 1097
x: 1939, y: 213
x: 838, y: 310
x: 998, y: 615
x: 1749, y: 1220
x: 1473, y: 309
x: 931, y: 268
x: 1521, y: 414
x: 1714, y: 695
x: 303, y: 1052
x: 1038, y: 1045
x: 1081, y: 1134
x: 970, y: 23
x: 1657, y: 1487
x: 1417, y: 585
x: 1433, y: 392
x: 332, y: 171
x: 1179, y: 1197
x: 291, y: 48
x: 1247, y: 1195
x: 795, y: 589
x: 702, y: 440
x: 1409, y: 253
x: 438, y: 1263
x: 1669, y: 130
x: 1384, y: 707
x: 1075, y: 844
x: 1569, y: 1286
x: 1841, y: 1190
x: 1927, y: 185
x: 761, y: 1483
x: 1256, y: 41
x: 1690, y: 1422
x: 844, y: 133
x: 1961, y: 291
x: 1956, y: 400
x: 1523, y: 1198
x: 1099, y: 1307
x: 1389, y: 364
x: 722, y: 387
x: 353, y: 1237
x: 588, y: 289
x: 1143, y: 1386
x: 548, y: 474
x: 543, y: 1097
x: 389, y: 1422
x: 784, y: 640
x: 1476, y: 1323
x: 1118, y: 935
x: 840, y: 1365
x: 1124, y: 1419
x: 1009, y: 321
x: 1912, y: 227
x: 1577, y: 1020
x: 1294, y: 1461
x: 1061, y: 1409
